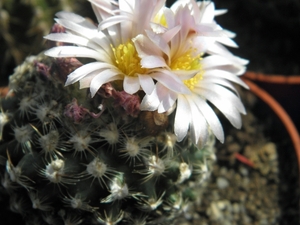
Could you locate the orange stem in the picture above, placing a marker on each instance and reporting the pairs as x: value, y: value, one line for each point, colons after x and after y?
x: 243, y: 159
x: 280, y: 112
x: 279, y: 79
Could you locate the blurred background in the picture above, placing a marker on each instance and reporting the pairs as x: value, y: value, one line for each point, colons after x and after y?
x: 23, y: 23
x: 268, y: 35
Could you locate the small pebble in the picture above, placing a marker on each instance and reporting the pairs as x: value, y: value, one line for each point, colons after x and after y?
x: 222, y: 183
x: 244, y: 171
x: 235, y: 208
x: 234, y: 147
x: 222, y: 204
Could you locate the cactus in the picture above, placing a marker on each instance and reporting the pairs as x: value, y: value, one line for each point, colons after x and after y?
x: 65, y: 161
x: 136, y: 147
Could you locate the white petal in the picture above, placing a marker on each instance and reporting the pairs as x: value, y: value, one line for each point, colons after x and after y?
x: 209, y: 30
x: 146, y: 83
x: 185, y: 74
x: 79, y: 29
x: 228, y: 106
x: 67, y: 38
x: 219, y: 12
x: 227, y: 41
x: 225, y: 75
x: 213, y: 80
x: 203, y: 43
x: 170, y: 17
x: 127, y: 6
x: 69, y: 16
x: 227, y: 63
x: 150, y: 102
x: 229, y: 96
x: 211, y: 118
x: 131, y: 84
x: 198, y: 125
x: 102, y: 78
x: 177, y: 4
x: 187, y: 22
x: 236, y: 69
x: 85, y: 82
x: 153, y: 62
x: 217, y: 48
x: 208, y: 14
x: 94, y: 35
x: 102, y: 9
x: 195, y: 8
x: 158, y: 28
x: 113, y: 21
x: 182, y: 118
x: 169, y: 80
x: 167, y: 98
x: 214, y: 61
x: 229, y: 33
x: 72, y: 51
x: 143, y: 13
x: 82, y: 71
x: 125, y: 29
x: 170, y: 33
x: 145, y: 47
x: 159, y: 42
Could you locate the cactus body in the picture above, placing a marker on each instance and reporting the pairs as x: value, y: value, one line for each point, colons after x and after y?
x: 67, y: 158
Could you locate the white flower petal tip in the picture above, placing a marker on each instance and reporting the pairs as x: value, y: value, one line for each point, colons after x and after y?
x: 68, y: 82
x: 50, y: 52
x: 222, y: 140
x: 72, y: 51
x: 219, y: 12
x: 70, y: 16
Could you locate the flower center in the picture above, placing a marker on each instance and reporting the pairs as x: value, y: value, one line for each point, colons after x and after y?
x: 127, y: 59
x: 189, y: 62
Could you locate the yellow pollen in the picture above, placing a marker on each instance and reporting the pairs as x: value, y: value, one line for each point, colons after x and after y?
x: 161, y: 19
x: 190, y: 83
x: 189, y: 62
x: 127, y: 59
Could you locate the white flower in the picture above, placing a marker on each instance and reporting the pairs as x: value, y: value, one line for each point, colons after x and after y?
x: 201, y: 19
x: 110, y: 45
x: 181, y: 50
x: 175, y: 55
x: 192, y: 111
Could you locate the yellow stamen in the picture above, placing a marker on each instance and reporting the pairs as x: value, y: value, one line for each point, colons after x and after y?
x: 127, y: 59
x: 189, y: 62
x: 190, y: 83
